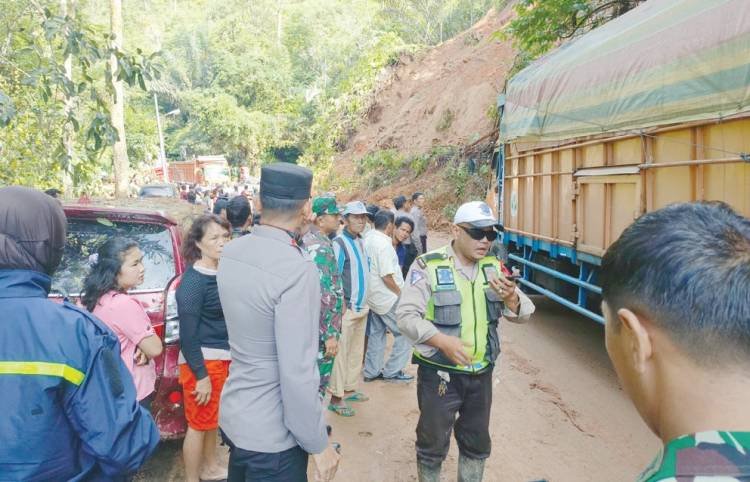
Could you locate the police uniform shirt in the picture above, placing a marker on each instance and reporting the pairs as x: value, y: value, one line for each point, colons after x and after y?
x: 416, y: 293
x: 270, y: 294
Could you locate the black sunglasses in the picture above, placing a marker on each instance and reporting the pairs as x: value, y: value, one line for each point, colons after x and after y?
x: 478, y: 234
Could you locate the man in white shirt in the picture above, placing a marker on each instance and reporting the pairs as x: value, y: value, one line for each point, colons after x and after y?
x: 386, y: 281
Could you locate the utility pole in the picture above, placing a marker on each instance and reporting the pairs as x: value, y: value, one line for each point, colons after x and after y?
x: 121, y: 166
x: 162, y: 155
x: 67, y: 178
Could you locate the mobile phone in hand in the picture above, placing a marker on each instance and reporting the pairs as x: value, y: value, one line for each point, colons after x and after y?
x: 490, y: 273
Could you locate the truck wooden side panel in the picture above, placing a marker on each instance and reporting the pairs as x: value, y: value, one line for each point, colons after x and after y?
x: 583, y: 194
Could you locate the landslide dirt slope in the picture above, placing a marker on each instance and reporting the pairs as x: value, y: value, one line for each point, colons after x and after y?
x: 441, y: 97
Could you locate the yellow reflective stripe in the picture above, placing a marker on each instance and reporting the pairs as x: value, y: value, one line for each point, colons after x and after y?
x: 42, y: 368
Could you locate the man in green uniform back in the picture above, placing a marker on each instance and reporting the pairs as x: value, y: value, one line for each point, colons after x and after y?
x: 676, y: 297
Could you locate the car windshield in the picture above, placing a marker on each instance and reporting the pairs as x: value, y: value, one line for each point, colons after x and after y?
x: 85, y: 237
x: 157, y: 191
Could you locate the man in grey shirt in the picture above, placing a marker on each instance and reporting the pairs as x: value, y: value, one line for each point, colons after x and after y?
x: 420, y: 222
x: 270, y: 294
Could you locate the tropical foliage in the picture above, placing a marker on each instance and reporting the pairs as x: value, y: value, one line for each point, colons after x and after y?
x: 541, y: 25
x: 254, y: 80
x: 43, y: 106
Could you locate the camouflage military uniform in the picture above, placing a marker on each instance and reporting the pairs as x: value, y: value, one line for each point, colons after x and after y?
x: 332, y: 297
x: 704, y: 456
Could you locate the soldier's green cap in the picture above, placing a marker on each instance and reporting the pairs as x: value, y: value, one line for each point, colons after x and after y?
x: 324, y: 205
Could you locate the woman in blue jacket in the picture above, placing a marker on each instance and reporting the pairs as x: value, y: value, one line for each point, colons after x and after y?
x: 68, y: 404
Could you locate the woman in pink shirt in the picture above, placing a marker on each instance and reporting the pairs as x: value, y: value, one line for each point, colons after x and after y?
x: 118, y: 269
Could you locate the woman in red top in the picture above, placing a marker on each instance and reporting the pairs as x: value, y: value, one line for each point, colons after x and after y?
x: 118, y: 269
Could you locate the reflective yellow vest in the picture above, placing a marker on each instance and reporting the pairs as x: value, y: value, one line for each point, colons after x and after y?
x: 464, y: 309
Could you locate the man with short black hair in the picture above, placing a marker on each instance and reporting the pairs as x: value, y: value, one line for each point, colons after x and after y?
x: 238, y: 215
x: 385, y: 283
x: 403, y: 227
x: 220, y: 207
x: 270, y: 410
x: 676, y: 297
x: 372, y: 210
x: 413, y: 245
x: 53, y: 192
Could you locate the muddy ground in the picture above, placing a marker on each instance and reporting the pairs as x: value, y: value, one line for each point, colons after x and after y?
x: 558, y: 414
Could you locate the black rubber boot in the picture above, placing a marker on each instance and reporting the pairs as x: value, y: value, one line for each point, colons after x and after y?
x: 428, y: 473
x: 470, y: 470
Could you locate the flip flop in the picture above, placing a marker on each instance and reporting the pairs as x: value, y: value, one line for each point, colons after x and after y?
x: 341, y: 410
x: 357, y: 397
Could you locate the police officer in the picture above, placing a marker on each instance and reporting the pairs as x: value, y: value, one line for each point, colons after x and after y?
x: 450, y: 307
x: 270, y: 292
x: 68, y: 408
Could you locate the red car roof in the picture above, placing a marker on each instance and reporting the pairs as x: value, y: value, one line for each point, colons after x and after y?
x: 118, y: 214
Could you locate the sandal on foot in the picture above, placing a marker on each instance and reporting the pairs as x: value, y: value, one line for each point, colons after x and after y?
x: 357, y: 397
x: 342, y: 410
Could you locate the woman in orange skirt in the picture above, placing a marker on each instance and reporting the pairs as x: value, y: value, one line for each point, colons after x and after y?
x: 204, y: 346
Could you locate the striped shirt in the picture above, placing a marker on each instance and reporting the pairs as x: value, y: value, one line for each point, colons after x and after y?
x: 354, y: 267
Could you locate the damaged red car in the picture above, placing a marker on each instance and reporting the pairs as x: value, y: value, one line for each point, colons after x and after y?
x: 159, y: 238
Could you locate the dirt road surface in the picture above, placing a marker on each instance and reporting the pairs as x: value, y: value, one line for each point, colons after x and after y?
x: 558, y: 414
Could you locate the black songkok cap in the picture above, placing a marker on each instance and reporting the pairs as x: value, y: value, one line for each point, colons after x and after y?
x: 283, y: 180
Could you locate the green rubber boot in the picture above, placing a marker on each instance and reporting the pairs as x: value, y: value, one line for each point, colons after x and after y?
x: 428, y: 473
x: 470, y: 470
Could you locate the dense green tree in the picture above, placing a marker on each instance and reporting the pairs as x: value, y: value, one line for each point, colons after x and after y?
x: 431, y: 22
x: 54, y: 121
x: 254, y: 80
x: 542, y: 24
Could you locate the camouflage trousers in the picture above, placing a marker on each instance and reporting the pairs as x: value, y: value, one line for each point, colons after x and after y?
x: 325, y: 367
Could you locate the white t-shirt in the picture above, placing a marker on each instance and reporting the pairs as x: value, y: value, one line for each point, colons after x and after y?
x: 383, y: 261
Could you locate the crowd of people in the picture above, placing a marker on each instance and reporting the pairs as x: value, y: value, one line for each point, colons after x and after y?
x: 208, y: 196
x: 261, y: 363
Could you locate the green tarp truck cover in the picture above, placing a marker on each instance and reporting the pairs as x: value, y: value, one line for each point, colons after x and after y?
x: 664, y: 62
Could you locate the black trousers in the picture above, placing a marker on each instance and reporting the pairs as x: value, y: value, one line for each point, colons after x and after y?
x: 411, y: 255
x: 423, y: 240
x: 247, y: 466
x: 469, y: 396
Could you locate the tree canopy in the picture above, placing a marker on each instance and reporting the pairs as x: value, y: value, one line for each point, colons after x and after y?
x: 254, y: 80
x: 540, y: 25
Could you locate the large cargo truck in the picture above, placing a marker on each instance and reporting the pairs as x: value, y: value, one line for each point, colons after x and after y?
x: 650, y: 109
x: 210, y: 170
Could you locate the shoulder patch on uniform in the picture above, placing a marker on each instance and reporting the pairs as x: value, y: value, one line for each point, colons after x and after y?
x: 416, y: 277
x: 427, y: 257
